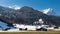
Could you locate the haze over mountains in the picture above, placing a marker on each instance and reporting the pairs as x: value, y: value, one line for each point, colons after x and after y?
x: 26, y: 15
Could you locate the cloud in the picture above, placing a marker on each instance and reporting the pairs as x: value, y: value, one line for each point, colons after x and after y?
x: 16, y: 7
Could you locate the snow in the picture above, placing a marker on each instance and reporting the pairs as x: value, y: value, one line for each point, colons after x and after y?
x: 41, y: 21
x: 16, y: 7
x: 13, y: 30
x: 47, y: 10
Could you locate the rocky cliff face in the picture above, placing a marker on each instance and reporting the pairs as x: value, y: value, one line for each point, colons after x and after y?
x: 26, y: 15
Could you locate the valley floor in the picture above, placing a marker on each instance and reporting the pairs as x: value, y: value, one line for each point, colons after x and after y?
x: 31, y: 32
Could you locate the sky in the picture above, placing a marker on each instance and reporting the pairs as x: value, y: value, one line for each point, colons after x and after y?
x: 36, y: 4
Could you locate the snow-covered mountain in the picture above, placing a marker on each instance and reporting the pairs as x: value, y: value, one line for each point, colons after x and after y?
x: 48, y: 11
x: 14, y: 7
x: 27, y: 15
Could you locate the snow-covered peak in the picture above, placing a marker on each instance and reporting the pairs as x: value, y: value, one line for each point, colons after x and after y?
x: 15, y: 7
x: 46, y: 11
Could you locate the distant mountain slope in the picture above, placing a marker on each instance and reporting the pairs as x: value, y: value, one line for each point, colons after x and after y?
x: 26, y: 15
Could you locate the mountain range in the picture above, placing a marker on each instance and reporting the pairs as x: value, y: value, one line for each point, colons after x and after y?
x: 26, y: 15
